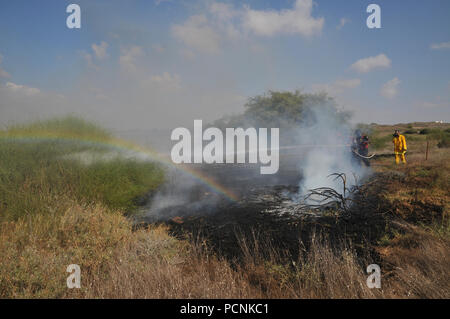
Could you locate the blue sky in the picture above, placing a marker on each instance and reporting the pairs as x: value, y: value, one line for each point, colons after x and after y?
x: 145, y: 64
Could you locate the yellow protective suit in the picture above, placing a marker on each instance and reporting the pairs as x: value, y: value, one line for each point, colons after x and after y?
x: 399, y: 148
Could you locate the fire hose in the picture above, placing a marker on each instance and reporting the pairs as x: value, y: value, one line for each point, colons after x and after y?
x: 366, y: 157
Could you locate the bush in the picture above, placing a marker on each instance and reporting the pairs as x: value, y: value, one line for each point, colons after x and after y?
x: 428, y: 131
x: 444, y: 142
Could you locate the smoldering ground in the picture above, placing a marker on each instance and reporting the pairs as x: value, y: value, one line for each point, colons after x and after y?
x: 318, y: 147
x: 329, y: 140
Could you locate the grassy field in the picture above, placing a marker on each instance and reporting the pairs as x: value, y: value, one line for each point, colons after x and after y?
x: 39, y: 163
x: 417, y: 134
x: 42, y: 182
x: 56, y: 210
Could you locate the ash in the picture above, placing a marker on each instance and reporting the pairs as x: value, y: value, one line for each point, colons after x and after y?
x: 277, y: 201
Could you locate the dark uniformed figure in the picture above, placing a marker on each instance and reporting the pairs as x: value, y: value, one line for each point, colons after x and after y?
x: 360, y: 145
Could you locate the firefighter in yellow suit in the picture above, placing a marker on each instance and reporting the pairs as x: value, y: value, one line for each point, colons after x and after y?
x: 399, y: 147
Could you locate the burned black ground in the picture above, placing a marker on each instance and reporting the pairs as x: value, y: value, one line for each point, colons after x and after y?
x: 272, y: 214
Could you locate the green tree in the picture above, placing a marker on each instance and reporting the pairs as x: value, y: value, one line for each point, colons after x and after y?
x: 284, y: 110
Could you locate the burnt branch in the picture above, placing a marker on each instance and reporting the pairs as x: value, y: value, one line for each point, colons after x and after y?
x: 326, y: 197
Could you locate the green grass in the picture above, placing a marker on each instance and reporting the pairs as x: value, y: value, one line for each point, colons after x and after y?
x: 69, y: 126
x: 444, y: 142
x: 436, y: 134
x: 380, y: 142
x: 415, y: 138
x: 35, y: 171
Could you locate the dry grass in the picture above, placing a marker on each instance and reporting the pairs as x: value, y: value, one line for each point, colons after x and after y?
x: 115, y: 261
x: 320, y: 272
x: 419, y: 252
x: 37, y: 249
x: 420, y: 261
x: 118, y: 262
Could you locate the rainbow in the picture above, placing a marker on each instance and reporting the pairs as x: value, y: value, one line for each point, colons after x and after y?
x: 121, y: 145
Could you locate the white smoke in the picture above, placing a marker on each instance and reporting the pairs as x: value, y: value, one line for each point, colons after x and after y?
x: 327, y: 142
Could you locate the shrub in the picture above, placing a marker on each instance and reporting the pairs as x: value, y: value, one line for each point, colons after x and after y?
x: 429, y: 131
x: 444, y: 142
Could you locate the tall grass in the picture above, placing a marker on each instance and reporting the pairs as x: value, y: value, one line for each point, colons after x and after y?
x: 380, y: 142
x: 35, y: 171
x: 56, y: 210
x: 69, y: 126
x: 117, y: 262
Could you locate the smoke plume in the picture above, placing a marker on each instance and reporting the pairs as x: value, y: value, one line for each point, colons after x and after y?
x: 327, y: 140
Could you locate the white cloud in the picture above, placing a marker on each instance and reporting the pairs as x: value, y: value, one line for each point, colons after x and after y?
x: 88, y: 58
x: 370, y: 63
x: 221, y: 22
x: 100, y: 50
x: 196, y: 34
x: 129, y: 58
x: 288, y: 21
x: 390, y: 89
x: 21, y: 89
x: 224, y: 18
x: 167, y: 80
x: 222, y: 11
x: 342, y: 22
x: 439, y: 46
x: 337, y: 87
